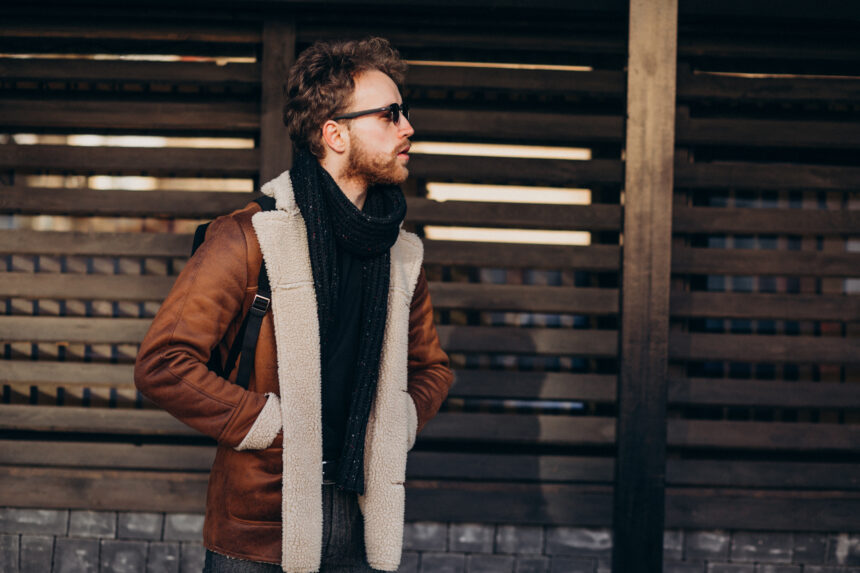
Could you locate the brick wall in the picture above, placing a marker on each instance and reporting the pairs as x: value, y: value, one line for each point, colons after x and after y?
x: 63, y: 541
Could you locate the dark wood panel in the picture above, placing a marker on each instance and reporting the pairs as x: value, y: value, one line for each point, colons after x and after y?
x: 73, y: 419
x: 279, y: 54
x: 508, y: 255
x: 534, y: 385
x: 772, y: 436
x: 522, y: 215
x: 764, y: 305
x: 66, y: 329
x: 198, y: 73
x: 521, y: 127
x: 234, y: 118
x: 48, y: 373
x: 65, y: 286
x: 514, y: 171
x: 520, y: 429
x: 508, y: 503
x: 480, y: 466
x: 764, y: 262
x: 760, y: 221
x: 762, y: 509
x: 503, y: 339
x: 768, y: 133
x: 25, y: 200
x: 149, y: 161
x: 95, y: 455
x: 24, y: 242
x: 767, y: 176
x: 524, y: 298
x: 764, y: 348
x: 703, y: 85
x: 749, y: 393
x: 787, y: 475
x: 114, y: 490
x: 135, y: 29
x: 544, y: 81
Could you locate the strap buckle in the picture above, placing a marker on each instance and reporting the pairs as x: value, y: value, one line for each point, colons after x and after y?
x: 260, y: 304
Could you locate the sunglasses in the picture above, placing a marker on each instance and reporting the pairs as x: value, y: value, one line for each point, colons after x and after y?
x: 394, y: 110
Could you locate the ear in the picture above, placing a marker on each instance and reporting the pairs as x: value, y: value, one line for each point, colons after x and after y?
x: 335, y: 136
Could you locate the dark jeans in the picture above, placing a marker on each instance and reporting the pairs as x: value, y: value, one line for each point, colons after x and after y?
x: 342, y: 542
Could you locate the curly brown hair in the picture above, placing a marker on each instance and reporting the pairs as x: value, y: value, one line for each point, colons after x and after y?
x: 322, y: 81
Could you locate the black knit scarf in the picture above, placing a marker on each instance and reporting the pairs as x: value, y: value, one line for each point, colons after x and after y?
x: 332, y: 220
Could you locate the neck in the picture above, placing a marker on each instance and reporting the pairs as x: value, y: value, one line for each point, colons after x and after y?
x: 354, y: 188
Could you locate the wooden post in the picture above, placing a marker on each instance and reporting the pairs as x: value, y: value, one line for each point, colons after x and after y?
x: 639, y: 510
x: 279, y: 53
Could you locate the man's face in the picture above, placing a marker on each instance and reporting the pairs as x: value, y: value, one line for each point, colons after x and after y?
x: 378, y: 148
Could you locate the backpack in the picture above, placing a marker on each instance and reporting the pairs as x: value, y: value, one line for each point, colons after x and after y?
x: 245, y: 342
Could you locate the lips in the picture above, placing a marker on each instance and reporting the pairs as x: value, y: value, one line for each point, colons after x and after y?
x: 405, y: 150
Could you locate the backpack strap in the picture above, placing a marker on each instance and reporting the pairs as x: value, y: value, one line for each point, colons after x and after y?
x: 245, y: 342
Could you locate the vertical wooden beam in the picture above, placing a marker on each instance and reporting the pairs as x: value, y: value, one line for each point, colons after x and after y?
x: 279, y: 53
x: 639, y: 510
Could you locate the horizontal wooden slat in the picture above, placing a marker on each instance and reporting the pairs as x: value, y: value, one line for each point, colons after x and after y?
x: 767, y: 133
x: 594, y: 257
x: 761, y: 221
x: 513, y: 171
x: 199, y: 73
x: 769, y: 176
x: 749, y: 393
x: 73, y: 419
x: 522, y: 215
x: 65, y: 286
x: 520, y: 429
x: 773, y: 436
x: 843, y: 308
x: 48, y: 373
x: 596, y: 82
x: 480, y: 466
x: 764, y: 348
x: 96, y: 455
x: 764, y: 262
x: 501, y: 339
x: 520, y: 126
x: 233, y: 118
x: 732, y: 473
x: 150, y: 161
x: 25, y: 242
x: 534, y: 385
x: 73, y: 329
x: 524, y: 298
x: 703, y: 85
x: 116, y: 29
x: 90, y: 202
x: 491, y: 502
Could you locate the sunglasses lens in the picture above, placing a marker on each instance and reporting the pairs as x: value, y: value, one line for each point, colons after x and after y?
x: 395, y: 113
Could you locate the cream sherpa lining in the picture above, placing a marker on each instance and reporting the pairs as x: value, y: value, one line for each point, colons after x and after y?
x: 265, y: 428
x: 393, y: 419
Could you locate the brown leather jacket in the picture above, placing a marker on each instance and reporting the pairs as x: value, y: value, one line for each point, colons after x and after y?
x: 205, y: 308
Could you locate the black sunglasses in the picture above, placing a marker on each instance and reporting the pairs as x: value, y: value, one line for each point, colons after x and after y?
x: 394, y: 110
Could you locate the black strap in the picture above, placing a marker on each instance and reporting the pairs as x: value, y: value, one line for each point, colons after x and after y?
x: 246, y: 339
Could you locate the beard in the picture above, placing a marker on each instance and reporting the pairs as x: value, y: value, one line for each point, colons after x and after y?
x: 373, y: 169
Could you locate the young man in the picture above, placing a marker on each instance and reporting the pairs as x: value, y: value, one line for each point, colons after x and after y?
x: 310, y: 466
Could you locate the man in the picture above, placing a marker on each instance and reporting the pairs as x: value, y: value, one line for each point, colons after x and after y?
x: 310, y: 465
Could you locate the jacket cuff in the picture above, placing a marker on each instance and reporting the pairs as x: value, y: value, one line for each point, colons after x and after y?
x: 412, y: 419
x: 266, y: 427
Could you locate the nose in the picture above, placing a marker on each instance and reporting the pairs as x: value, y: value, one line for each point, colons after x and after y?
x: 404, y: 127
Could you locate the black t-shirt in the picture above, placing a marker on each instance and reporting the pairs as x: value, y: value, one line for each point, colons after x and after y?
x: 338, y: 380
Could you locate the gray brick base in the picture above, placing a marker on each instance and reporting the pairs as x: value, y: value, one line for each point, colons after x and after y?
x: 78, y: 541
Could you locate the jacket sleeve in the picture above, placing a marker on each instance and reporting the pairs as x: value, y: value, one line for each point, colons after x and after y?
x: 430, y: 376
x: 171, y: 369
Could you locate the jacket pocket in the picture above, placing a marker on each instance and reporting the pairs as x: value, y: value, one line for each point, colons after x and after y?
x: 252, y: 491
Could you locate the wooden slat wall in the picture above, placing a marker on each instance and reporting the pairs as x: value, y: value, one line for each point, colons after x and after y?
x: 528, y: 433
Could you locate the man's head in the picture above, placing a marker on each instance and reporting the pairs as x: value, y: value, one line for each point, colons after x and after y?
x: 344, y: 106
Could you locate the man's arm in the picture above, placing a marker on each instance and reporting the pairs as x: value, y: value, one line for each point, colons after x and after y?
x: 171, y: 365
x: 429, y: 374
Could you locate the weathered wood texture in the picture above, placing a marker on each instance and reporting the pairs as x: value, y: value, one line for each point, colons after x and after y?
x: 638, y: 513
